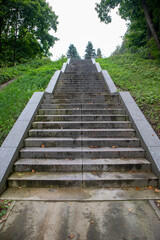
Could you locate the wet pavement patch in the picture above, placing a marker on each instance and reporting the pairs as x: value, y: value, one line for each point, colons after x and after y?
x: 105, y: 220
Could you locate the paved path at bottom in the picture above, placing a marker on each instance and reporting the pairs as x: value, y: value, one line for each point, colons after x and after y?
x: 104, y: 220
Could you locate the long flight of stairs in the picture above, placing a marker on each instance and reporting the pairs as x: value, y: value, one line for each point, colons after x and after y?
x: 82, y: 137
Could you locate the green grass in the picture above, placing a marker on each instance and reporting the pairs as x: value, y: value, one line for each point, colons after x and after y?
x: 4, y: 205
x: 9, y: 73
x: 142, y: 78
x: 14, y: 97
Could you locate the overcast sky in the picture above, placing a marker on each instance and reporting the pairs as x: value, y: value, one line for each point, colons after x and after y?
x: 79, y: 23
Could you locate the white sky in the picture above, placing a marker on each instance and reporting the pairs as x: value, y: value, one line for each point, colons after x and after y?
x: 79, y: 23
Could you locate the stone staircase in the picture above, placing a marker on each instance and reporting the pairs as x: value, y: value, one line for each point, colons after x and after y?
x: 82, y: 137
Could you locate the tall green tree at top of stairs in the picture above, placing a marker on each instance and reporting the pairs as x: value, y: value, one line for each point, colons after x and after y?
x: 72, y: 52
x: 90, y: 51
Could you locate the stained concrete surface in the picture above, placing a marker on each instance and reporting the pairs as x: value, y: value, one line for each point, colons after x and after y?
x: 80, y: 194
x: 108, y: 220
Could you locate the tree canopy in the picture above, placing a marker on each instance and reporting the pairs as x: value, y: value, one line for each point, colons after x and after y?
x: 90, y: 51
x: 24, y: 29
x: 72, y: 52
x: 143, y: 15
x: 99, y: 53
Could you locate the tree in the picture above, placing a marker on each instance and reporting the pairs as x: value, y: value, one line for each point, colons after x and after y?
x: 90, y: 51
x: 24, y: 28
x: 99, y: 53
x: 133, y: 10
x: 72, y: 52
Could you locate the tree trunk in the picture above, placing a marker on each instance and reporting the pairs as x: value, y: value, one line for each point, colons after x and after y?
x: 0, y: 38
x: 15, y: 42
x: 149, y: 34
x: 149, y: 22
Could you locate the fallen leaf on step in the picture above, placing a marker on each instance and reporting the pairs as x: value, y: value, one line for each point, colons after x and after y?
x: 42, y: 145
x: 91, y: 146
x: 33, y: 170
x: 150, y: 187
x: 137, y: 188
x: 91, y: 221
x: 94, y: 172
x: 113, y: 146
x: 1, y: 221
x: 153, y: 135
x: 19, y: 187
x: 96, y: 147
x: 130, y: 210
x: 157, y: 190
x: 131, y: 171
x: 72, y: 236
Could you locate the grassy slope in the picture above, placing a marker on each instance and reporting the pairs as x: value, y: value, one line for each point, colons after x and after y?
x: 140, y: 77
x: 34, y: 77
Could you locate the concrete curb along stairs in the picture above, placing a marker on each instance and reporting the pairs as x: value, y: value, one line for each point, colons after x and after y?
x: 9, y: 151
x: 81, y: 136
x: 149, y: 140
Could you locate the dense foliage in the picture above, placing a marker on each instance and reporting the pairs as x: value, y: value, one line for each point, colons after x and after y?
x: 34, y: 77
x: 90, y: 51
x: 143, y: 34
x: 72, y: 52
x: 142, y: 78
x: 24, y: 30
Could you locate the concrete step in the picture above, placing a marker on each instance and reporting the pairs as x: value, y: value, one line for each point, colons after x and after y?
x: 71, y: 84
x: 86, y: 179
x: 80, y: 111
x: 85, y: 142
x: 80, y: 106
x: 82, y: 152
x: 64, y: 99
x: 78, y: 95
x: 81, y: 69
x: 45, y: 179
x: 81, y: 195
x: 75, y: 133
x: 88, y: 88
x: 82, y: 165
x: 82, y: 117
x: 81, y: 77
x: 81, y: 124
x: 118, y: 179
x: 75, y: 76
x: 81, y: 82
x: 79, y: 91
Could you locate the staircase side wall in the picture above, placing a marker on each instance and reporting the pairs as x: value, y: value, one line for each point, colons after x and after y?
x: 149, y: 140
x: 9, y: 151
